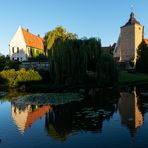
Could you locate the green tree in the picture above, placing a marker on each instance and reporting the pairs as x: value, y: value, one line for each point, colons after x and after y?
x: 107, y: 71
x: 6, y: 63
x: 70, y: 59
x: 3, y: 61
x: 58, y: 33
x: 142, y: 58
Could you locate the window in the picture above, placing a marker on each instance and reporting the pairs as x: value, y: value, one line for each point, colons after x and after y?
x: 13, y: 59
x: 17, y: 49
x: 12, y: 49
x: 17, y: 59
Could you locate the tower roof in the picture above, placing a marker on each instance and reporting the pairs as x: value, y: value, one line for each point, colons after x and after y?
x: 132, y: 20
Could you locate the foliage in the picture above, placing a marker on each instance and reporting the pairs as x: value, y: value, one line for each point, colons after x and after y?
x: 6, y: 63
x: 3, y: 61
x: 14, y: 77
x: 48, y: 98
x: 142, y: 58
x: 69, y: 59
x: 58, y: 33
x: 107, y: 71
x: 126, y: 77
x: 37, y: 54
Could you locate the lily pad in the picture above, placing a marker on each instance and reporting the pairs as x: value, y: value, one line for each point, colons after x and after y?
x: 47, y: 98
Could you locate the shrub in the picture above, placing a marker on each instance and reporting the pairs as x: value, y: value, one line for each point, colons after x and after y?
x: 6, y: 63
x: 14, y: 77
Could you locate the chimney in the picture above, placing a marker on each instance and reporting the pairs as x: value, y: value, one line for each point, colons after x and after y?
x: 38, y: 35
x: 27, y: 30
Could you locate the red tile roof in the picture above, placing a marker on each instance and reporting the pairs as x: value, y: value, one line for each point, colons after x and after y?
x: 33, y: 40
x: 37, y: 114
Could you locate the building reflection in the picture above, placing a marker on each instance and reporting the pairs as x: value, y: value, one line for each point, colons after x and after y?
x: 88, y: 115
x: 131, y: 115
x: 25, y: 116
x: 64, y: 120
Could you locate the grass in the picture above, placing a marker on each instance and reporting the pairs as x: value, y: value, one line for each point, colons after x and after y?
x: 132, y: 78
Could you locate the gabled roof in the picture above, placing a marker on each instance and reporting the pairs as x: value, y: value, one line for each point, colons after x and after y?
x: 132, y: 20
x: 37, y: 114
x: 32, y: 40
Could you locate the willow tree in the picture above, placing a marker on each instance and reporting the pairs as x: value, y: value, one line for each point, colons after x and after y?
x: 58, y: 33
x: 92, y: 47
x: 55, y: 43
x: 107, y: 70
x: 69, y: 57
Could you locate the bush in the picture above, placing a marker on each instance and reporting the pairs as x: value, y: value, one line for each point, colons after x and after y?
x: 6, y: 63
x: 107, y: 71
x: 142, y: 60
x: 14, y: 77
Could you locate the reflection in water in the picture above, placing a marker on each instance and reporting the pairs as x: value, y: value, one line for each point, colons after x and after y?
x: 25, y: 116
x: 131, y: 116
x: 87, y: 115
x: 64, y: 120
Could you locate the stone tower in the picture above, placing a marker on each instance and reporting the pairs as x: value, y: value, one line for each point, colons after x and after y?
x: 131, y: 35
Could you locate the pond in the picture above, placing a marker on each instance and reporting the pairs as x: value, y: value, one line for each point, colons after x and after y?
x: 107, y: 119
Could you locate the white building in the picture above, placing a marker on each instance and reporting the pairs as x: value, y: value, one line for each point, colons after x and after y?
x: 25, y: 45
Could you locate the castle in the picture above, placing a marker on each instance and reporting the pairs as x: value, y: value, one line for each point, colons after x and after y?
x: 131, y: 35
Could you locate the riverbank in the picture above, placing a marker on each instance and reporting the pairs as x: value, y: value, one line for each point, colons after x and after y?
x: 126, y: 77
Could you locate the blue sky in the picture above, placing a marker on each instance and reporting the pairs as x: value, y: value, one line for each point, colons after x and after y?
x: 89, y: 18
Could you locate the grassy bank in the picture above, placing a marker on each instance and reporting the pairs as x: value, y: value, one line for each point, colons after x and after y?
x: 132, y: 78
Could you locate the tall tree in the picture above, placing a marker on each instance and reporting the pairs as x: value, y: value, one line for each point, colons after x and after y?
x: 142, y: 58
x: 107, y: 71
x: 58, y: 33
x: 71, y: 58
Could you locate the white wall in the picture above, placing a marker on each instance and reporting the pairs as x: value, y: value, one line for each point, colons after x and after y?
x: 18, y: 42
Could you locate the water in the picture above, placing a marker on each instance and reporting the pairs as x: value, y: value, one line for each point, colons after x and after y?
x: 104, y: 120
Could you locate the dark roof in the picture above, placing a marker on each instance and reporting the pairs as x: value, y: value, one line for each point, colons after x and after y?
x: 108, y: 48
x: 132, y: 20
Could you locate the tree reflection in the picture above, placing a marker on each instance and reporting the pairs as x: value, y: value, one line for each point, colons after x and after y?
x: 87, y: 115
